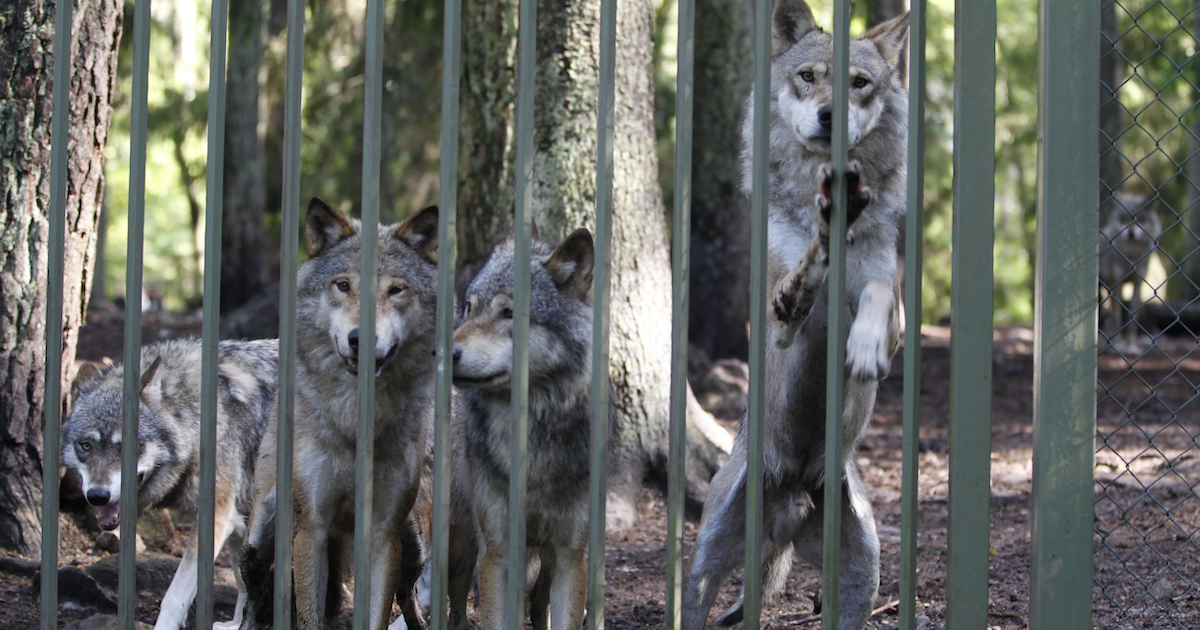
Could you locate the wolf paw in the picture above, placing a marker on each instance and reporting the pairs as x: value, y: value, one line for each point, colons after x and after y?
x: 867, y: 350
x: 858, y: 195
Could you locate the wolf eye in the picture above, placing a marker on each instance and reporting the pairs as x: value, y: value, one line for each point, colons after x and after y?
x: 342, y: 286
x: 85, y: 446
x: 506, y: 313
x: 861, y: 82
x: 396, y: 290
x: 807, y: 75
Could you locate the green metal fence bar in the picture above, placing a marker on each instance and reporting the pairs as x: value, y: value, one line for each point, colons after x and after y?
x: 913, y: 264
x: 680, y: 272
x: 59, y: 130
x: 289, y: 263
x: 365, y: 453
x: 518, y: 472
x: 836, y: 355
x: 971, y: 303
x: 211, y: 327
x: 756, y: 399
x: 1064, y: 357
x: 447, y: 255
x: 127, y: 562
x: 602, y: 267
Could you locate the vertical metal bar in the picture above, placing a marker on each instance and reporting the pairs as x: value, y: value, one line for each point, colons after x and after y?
x: 289, y: 263
x: 1064, y: 358
x: 913, y: 265
x: 971, y: 301
x: 681, y: 256
x: 447, y: 254
x: 756, y: 404
x: 598, y: 480
x: 59, y: 130
x: 127, y: 563
x: 836, y: 353
x: 518, y: 472
x: 365, y: 453
x: 211, y: 328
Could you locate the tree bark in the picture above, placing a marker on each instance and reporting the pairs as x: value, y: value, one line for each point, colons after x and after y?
x: 27, y: 60
x: 720, y: 273
x: 242, y: 258
x: 564, y: 172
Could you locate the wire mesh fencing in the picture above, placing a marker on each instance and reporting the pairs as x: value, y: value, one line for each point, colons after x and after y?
x: 1147, y: 514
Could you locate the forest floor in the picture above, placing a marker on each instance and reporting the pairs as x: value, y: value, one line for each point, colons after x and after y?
x: 1147, y: 559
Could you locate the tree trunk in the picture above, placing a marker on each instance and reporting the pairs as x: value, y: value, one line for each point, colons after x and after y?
x: 720, y: 274
x: 1190, y: 254
x: 564, y: 171
x: 27, y: 57
x: 1110, y: 107
x: 243, y: 260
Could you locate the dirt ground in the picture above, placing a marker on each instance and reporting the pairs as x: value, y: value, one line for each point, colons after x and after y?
x: 1147, y: 561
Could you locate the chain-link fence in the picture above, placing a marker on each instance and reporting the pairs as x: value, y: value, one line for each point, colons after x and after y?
x: 1147, y: 563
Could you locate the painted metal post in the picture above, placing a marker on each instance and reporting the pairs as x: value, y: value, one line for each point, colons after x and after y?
x: 127, y: 562
x: 971, y: 303
x: 913, y: 265
x: 1064, y: 357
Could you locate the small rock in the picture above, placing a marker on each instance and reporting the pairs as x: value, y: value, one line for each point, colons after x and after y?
x: 923, y: 622
x: 102, y: 622
x: 1162, y: 590
x: 156, y: 527
x: 111, y: 542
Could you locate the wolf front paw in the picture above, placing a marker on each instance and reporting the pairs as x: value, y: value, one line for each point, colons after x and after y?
x: 867, y: 350
x: 858, y: 195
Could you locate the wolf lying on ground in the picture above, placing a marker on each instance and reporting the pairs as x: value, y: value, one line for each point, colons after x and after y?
x: 168, y: 464
x: 799, y: 209
x: 560, y: 346
x: 326, y: 419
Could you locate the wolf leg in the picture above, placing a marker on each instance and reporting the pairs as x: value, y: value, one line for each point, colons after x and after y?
x: 873, y: 336
x: 412, y: 566
x: 492, y: 581
x: 568, y: 588
x: 777, y: 562
x: 311, y: 574
x: 540, y: 593
x: 794, y: 295
x: 175, y: 603
x: 858, y: 582
x: 234, y: 540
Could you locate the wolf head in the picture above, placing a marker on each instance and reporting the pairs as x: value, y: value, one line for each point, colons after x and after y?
x: 406, y: 295
x: 802, y: 75
x: 560, y: 321
x: 1133, y: 226
x: 91, y: 441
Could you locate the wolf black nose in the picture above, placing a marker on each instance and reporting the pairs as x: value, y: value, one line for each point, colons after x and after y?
x: 353, y: 337
x: 825, y: 115
x: 457, y: 354
x: 98, y: 496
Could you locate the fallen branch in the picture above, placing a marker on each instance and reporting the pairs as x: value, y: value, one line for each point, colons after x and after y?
x: 892, y: 605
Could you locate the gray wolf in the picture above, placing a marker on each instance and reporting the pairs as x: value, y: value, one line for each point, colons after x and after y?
x: 799, y: 209
x: 326, y: 418
x: 560, y: 346
x: 1127, y: 242
x: 168, y: 464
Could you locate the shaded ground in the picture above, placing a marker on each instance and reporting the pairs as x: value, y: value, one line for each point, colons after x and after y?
x: 1147, y: 509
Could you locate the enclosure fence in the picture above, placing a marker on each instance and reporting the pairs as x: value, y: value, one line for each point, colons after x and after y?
x: 1065, y: 331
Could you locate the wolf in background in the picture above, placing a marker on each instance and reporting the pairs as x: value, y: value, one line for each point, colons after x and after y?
x: 560, y: 346
x: 1127, y: 243
x: 326, y: 419
x: 799, y: 207
x: 168, y: 464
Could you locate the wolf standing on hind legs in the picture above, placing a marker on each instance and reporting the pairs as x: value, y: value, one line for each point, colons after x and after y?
x: 326, y: 416
x: 799, y: 212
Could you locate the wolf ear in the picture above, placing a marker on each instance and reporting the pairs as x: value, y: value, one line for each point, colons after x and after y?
x: 793, y: 20
x: 325, y: 227
x: 571, y: 264
x: 85, y: 378
x: 890, y: 38
x: 421, y: 232
x: 148, y: 377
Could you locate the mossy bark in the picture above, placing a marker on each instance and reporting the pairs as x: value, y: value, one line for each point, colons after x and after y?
x: 26, y: 87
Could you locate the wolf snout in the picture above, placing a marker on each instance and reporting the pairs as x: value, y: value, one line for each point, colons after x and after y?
x: 825, y: 116
x: 353, y: 339
x: 457, y: 354
x: 98, y: 496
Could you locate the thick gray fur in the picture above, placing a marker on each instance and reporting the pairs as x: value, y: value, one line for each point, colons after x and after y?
x: 169, y: 442
x: 796, y: 358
